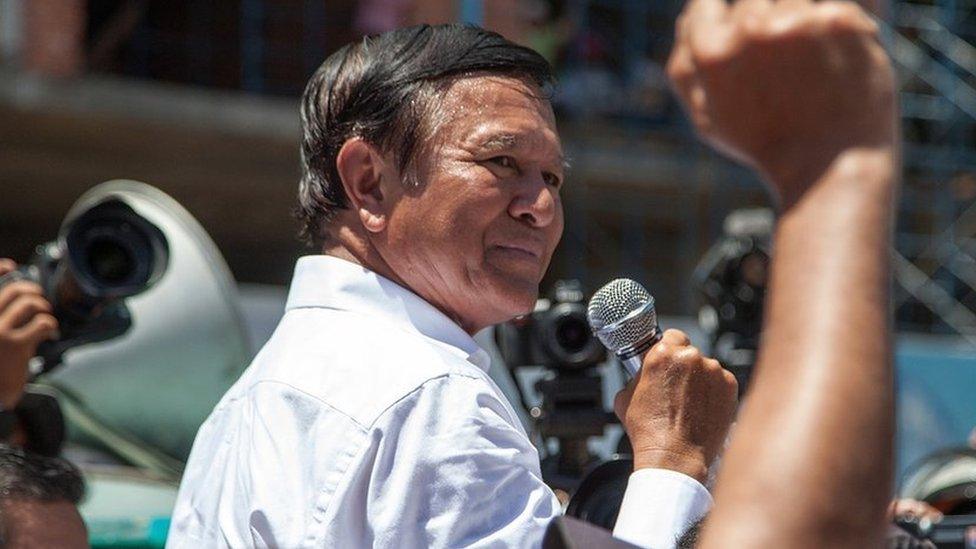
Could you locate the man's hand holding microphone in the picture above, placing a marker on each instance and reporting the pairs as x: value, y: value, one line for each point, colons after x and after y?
x: 679, y: 404
x: 678, y: 408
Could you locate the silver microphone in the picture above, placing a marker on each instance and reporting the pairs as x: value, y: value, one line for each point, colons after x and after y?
x: 621, y: 314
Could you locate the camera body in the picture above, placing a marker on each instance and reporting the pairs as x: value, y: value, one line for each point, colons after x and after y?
x: 102, y: 256
x: 556, y: 334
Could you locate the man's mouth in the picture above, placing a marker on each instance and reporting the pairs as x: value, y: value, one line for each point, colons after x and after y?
x: 524, y: 249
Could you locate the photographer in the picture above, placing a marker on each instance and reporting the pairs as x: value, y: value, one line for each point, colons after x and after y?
x: 25, y: 321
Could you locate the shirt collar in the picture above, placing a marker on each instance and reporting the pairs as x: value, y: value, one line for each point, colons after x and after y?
x: 334, y: 283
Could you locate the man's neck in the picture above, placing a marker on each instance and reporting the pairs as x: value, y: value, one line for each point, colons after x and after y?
x: 346, y: 244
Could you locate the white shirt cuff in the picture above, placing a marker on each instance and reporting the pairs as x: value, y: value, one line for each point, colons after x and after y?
x: 658, y: 506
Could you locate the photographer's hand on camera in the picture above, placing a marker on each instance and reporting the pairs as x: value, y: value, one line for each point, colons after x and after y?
x: 678, y: 409
x: 25, y: 321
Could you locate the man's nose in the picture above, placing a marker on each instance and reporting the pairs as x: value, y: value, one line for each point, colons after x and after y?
x: 535, y: 203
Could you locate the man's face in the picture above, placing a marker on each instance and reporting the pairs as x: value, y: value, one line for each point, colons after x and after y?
x: 475, y: 237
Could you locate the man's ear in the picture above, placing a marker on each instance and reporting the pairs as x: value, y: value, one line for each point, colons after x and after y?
x: 361, y: 168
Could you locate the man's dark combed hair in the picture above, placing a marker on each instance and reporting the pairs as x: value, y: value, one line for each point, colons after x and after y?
x: 381, y: 90
x: 24, y: 475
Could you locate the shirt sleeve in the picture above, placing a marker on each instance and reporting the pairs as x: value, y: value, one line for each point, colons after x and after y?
x: 452, y: 471
x: 659, y: 505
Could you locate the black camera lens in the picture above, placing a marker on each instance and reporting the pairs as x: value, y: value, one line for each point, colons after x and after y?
x: 566, y: 339
x: 556, y: 334
x: 113, y: 252
x: 572, y: 334
x: 110, y: 261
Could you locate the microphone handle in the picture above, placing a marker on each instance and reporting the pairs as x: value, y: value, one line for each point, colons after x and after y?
x: 633, y: 357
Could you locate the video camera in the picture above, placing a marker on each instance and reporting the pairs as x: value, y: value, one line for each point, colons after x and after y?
x: 102, y: 256
x: 731, y: 278
x: 557, y: 336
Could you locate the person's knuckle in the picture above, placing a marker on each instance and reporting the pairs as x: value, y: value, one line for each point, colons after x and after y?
x: 36, y: 303
x: 710, y: 54
x: 715, y: 50
x: 729, y: 377
x: 844, y: 12
x: 690, y: 355
x: 753, y: 25
x: 879, y: 56
x: 18, y: 304
x: 843, y: 17
x: 50, y: 321
x: 680, y: 70
x: 20, y: 308
x: 781, y: 28
x: 676, y: 337
x: 678, y: 334
x: 33, y: 287
x: 712, y: 366
x: 659, y: 352
x: 43, y: 323
x: 8, y: 289
x: 731, y: 382
x: 871, y: 28
x: 27, y: 286
x: 19, y: 288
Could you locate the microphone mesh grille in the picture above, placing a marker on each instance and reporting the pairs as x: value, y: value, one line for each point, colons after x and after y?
x: 614, y: 302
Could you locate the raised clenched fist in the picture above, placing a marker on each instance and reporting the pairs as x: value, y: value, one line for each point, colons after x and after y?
x: 678, y: 409
x: 784, y: 86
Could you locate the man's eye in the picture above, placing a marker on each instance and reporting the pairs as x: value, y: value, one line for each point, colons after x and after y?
x: 552, y: 180
x: 503, y: 161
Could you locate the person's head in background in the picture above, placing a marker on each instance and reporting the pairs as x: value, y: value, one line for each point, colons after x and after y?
x: 38, y: 501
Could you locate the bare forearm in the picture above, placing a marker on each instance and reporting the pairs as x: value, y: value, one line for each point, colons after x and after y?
x: 813, y: 451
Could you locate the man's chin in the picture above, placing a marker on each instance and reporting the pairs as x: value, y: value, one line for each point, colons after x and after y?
x: 506, y: 293
x: 514, y: 299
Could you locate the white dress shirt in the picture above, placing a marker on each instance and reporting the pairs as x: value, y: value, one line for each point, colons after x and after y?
x: 369, y: 419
